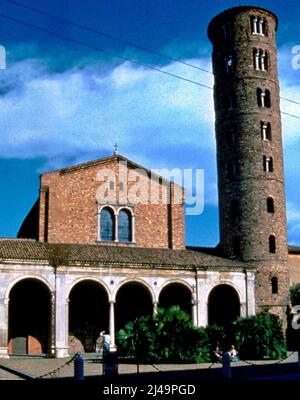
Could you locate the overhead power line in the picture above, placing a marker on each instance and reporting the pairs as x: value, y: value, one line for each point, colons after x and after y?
x: 109, y: 36
x: 127, y: 42
x: 99, y: 49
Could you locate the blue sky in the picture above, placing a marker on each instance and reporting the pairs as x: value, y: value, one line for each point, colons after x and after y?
x: 62, y: 103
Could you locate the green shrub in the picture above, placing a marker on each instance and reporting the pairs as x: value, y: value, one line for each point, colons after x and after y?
x: 259, y: 337
x: 216, y: 335
x: 168, y: 337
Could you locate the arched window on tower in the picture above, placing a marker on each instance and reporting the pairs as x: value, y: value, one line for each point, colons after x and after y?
x: 263, y: 98
x: 107, y: 224
x: 270, y: 205
x: 268, y: 164
x: 260, y: 60
x: 272, y: 244
x: 125, y: 225
x: 274, y: 284
x: 259, y: 26
x: 266, y: 131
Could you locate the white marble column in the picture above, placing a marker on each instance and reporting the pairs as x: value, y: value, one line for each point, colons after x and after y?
x: 254, y: 27
x: 133, y: 228
x: 52, y: 324
x: 116, y: 232
x: 201, y: 298
x: 194, y: 303
x: 62, y: 319
x: 155, y: 306
x: 4, y: 328
x: 112, y: 326
x: 250, y: 292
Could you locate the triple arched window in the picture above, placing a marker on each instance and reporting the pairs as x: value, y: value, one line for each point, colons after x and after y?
x: 116, y: 226
x: 259, y: 26
x: 260, y: 60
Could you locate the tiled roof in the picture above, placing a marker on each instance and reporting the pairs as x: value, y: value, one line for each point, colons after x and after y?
x: 23, y: 249
x: 294, y: 249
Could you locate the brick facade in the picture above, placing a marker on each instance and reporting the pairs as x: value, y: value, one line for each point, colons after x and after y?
x: 72, y: 198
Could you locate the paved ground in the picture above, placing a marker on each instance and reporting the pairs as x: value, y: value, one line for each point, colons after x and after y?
x: 31, y: 367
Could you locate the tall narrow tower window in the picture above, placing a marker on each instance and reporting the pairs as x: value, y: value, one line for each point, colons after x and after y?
x: 270, y: 205
x: 272, y: 244
x: 274, y: 284
x: 266, y: 132
x: 268, y: 164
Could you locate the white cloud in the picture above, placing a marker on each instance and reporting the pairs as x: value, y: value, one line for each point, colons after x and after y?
x: 79, y: 113
x: 45, y: 114
x: 157, y: 120
x: 289, y: 88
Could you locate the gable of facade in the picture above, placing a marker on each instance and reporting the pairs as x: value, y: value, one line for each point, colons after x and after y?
x: 111, y: 201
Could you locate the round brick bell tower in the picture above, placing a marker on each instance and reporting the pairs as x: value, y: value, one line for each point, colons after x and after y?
x: 249, y: 149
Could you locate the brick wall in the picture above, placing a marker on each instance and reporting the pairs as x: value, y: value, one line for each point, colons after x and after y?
x: 69, y: 208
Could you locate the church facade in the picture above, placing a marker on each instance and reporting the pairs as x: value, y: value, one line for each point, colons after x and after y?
x: 105, y: 241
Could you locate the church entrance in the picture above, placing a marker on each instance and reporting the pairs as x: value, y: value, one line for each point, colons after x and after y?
x: 29, y: 319
x: 223, y: 305
x: 133, y: 300
x: 88, y: 315
x: 176, y: 294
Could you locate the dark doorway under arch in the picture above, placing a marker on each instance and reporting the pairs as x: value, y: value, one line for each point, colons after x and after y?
x: 29, y: 318
x: 176, y: 294
x: 88, y: 315
x: 133, y: 300
x: 223, y: 305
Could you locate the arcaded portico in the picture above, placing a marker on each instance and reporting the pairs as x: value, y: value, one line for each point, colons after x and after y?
x: 67, y: 305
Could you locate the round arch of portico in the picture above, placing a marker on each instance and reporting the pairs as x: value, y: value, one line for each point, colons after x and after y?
x: 228, y: 283
x: 17, y: 280
x: 133, y: 280
x: 174, y: 281
x: 89, y: 278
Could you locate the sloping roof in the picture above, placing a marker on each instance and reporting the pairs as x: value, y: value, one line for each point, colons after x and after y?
x: 24, y: 249
x: 104, y: 160
x: 294, y: 249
